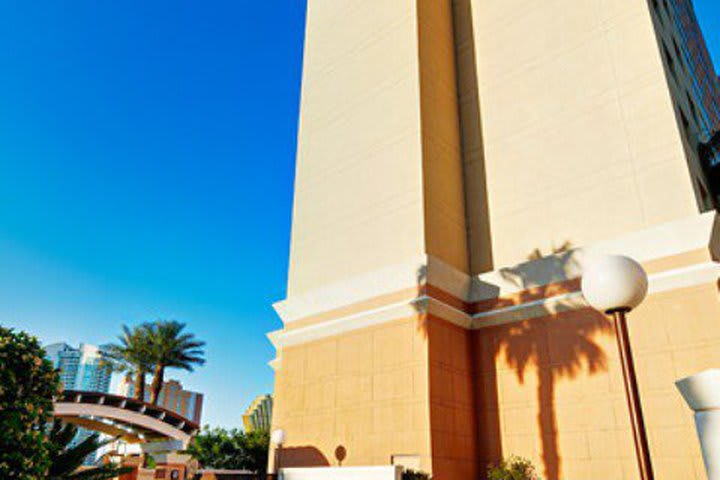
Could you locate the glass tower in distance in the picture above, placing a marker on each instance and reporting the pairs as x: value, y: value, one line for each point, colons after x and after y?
x: 80, y: 368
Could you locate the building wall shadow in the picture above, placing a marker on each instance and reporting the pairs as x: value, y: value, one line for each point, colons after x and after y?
x: 305, y: 456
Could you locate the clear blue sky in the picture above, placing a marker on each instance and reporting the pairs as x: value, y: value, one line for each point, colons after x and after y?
x: 147, y: 152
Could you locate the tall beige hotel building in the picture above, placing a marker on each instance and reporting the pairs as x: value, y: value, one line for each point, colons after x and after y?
x: 458, y: 162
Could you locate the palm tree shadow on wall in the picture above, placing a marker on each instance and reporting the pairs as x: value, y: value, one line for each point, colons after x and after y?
x: 555, y: 350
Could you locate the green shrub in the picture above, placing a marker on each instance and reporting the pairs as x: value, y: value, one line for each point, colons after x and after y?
x: 410, y: 474
x: 28, y: 383
x: 149, y: 462
x: 513, y: 468
x: 231, y: 449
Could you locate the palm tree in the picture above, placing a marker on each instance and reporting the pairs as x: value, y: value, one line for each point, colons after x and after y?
x: 132, y: 355
x: 66, y: 458
x: 171, y: 348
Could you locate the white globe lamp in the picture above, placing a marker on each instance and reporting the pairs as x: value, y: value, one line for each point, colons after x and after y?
x: 615, y: 285
x: 278, y: 437
x: 614, y: 282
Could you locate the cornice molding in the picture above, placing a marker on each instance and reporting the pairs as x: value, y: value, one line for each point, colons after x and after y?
x: 698, y: 233
x: 552, y: 305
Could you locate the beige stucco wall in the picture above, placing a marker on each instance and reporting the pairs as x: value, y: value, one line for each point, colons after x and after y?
x: 444, y: 195
x: 545, y: 384
x: 379, y: 158
x: 580, y: 138
x: 552, y: 388
x: 358, y: 179
x: 366, y: 391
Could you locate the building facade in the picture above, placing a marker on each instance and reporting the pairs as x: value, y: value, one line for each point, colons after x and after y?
x: 259, y: 414
x: 81, y: 368
x: 172, y: 396
x: 458, y: 162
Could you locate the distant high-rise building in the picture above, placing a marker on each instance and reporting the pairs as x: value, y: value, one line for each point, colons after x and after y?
x: 259, y: 414
x: 81, y: 368
x: 172, y: 397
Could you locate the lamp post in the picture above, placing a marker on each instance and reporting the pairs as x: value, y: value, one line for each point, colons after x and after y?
x: 277, y: 438
x: 615, y: 285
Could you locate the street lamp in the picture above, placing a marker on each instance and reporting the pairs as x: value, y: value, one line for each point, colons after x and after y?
x: 277, y: 438
x: 615, y: 285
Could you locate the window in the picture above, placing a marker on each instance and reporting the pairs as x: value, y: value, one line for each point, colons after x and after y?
x: 685, y: 125
x: 693, y: 109
x: 670, y: 61
x: 679, y: 55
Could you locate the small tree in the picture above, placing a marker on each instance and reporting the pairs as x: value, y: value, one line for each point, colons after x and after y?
x: 513, y: 468
x: 231, y: 449
x: 256, y: 449
x: 28, y: 383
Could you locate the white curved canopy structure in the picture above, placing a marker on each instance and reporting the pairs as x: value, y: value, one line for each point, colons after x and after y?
x: 132, y: 420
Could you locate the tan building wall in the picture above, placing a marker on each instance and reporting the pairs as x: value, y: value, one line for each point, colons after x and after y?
x: 366, y: 391
x: 443, y: 193
x: 552, y: 387
x: 359, y: 174
x: 453, y: 408
x: 379, y: 144
x: 577, y: 122
x: 532, y: 371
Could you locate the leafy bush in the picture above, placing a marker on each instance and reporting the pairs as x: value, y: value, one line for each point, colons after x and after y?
x: 513, y: 468
x: 410, y: 474
x: 28, y: 383
x: 231, y: 449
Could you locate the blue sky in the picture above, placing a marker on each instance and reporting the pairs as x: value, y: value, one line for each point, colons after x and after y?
x: 147, y: 152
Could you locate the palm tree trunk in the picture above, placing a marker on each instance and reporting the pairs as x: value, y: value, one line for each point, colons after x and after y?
x: 157, y: 383
x: 547, y: 421
x: 140, y: 385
